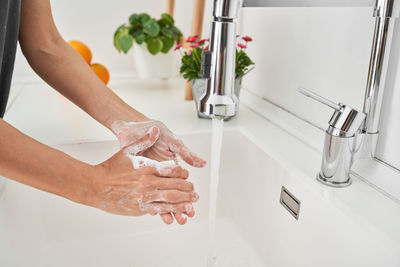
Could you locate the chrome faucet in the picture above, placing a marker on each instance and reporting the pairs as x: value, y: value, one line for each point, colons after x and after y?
x: 218, y: 64
x: 340, y: 143
x: 351, y: 133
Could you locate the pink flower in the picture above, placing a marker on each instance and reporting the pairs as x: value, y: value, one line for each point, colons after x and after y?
x: 242, y: 46
x: 177, y: 47
x: 202, y: 41
x: 194, y: 45
x: 192, y: 38
x: 237, y: 35
x: 247, y: 39
x: 207, y: 47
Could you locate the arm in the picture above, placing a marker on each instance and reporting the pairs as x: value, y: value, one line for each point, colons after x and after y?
x: 66, y: 71
x: 114, y: 185
x: 32, y: 163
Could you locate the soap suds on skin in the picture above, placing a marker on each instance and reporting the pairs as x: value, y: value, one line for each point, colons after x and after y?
x: 168, y: 144
x: 163, y: 168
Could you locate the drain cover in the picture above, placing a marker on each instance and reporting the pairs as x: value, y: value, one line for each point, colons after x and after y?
x: 290, y: 202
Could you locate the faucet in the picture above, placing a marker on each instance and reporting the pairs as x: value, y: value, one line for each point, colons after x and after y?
x: 340, y: 143
x: 351, y: 133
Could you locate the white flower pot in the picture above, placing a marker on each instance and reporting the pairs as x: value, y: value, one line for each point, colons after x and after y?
x: 159, y: 66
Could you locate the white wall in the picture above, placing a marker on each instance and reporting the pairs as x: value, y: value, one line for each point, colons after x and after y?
x: 389, y: 141
x: 94, y: 23
x: 324, y: 49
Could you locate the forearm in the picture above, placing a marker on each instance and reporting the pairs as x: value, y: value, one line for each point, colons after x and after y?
x: 29, y: 162
x: 65, y: 70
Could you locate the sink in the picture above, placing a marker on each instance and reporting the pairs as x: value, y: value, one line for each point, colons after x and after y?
x: 253, y: 228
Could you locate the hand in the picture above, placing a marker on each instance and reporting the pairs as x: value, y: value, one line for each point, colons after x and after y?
x: 166, y: 148
x: 120, y: 188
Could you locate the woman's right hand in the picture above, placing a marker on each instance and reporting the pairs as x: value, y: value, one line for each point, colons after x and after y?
x: 129, y: 184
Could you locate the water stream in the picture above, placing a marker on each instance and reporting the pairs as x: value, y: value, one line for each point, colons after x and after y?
x: 217, y: 132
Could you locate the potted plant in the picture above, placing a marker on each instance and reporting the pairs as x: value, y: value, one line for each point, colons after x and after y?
x: 152, y: 40
x: 191, y: 65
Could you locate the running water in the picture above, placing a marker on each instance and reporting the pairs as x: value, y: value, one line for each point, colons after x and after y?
x: 217, y: 131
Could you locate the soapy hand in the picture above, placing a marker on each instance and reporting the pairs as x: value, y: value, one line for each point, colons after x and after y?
x: 130, y: 184
x: 167, y: 147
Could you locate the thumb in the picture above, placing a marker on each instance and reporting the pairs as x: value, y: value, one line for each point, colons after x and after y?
x: 143, y: 143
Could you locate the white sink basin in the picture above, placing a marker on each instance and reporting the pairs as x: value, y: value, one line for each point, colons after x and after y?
x: 39, y: 229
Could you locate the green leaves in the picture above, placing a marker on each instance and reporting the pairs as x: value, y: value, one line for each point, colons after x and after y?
x: 151, y: 27
x: 123, y: 41
x: 167, y: 44
x: 159, y: 36
x: 140, y: 38
x: 126, y: 42
x: 167, y: 19
x: 191, y: 64
x: 143, y: 18
x: 154, y: 45
x: 242, y: 62
x: 134, y: 18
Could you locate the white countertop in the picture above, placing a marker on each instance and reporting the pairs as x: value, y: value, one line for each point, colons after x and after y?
x: 43, y: 114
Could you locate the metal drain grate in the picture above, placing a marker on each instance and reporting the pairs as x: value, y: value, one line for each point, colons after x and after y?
x: 290, y: 202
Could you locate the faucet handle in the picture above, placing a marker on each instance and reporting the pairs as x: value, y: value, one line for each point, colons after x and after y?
x: 206, y: 58
x: 345, y: 121
x: 319, y: 98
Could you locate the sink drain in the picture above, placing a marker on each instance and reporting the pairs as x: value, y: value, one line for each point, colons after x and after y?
x: 290, y: 203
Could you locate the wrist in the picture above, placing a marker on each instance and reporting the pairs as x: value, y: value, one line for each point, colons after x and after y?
x: 130, y: 115
x: 82, y: 188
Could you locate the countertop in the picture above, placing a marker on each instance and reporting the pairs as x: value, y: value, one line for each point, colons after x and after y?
x: 43, y: 114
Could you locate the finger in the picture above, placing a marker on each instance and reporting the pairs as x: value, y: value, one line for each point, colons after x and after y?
x: 157, y: 154
x: 163, y: 149
x: 143, y: 143
x: 177, y: 172
x: 190, y: 214
x: 180, y: 218
x: 171, y: 184
x: 188, y: 156
x: 169, y: 196
x: 161, y: 208
x: 167, y: 218
x: 171, y: 172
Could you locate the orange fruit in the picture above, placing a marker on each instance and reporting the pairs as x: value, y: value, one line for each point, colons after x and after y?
x: 82, y: 49
x: 101, y: 72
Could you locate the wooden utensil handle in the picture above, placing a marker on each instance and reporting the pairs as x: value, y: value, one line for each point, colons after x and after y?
x: 170, y: 7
